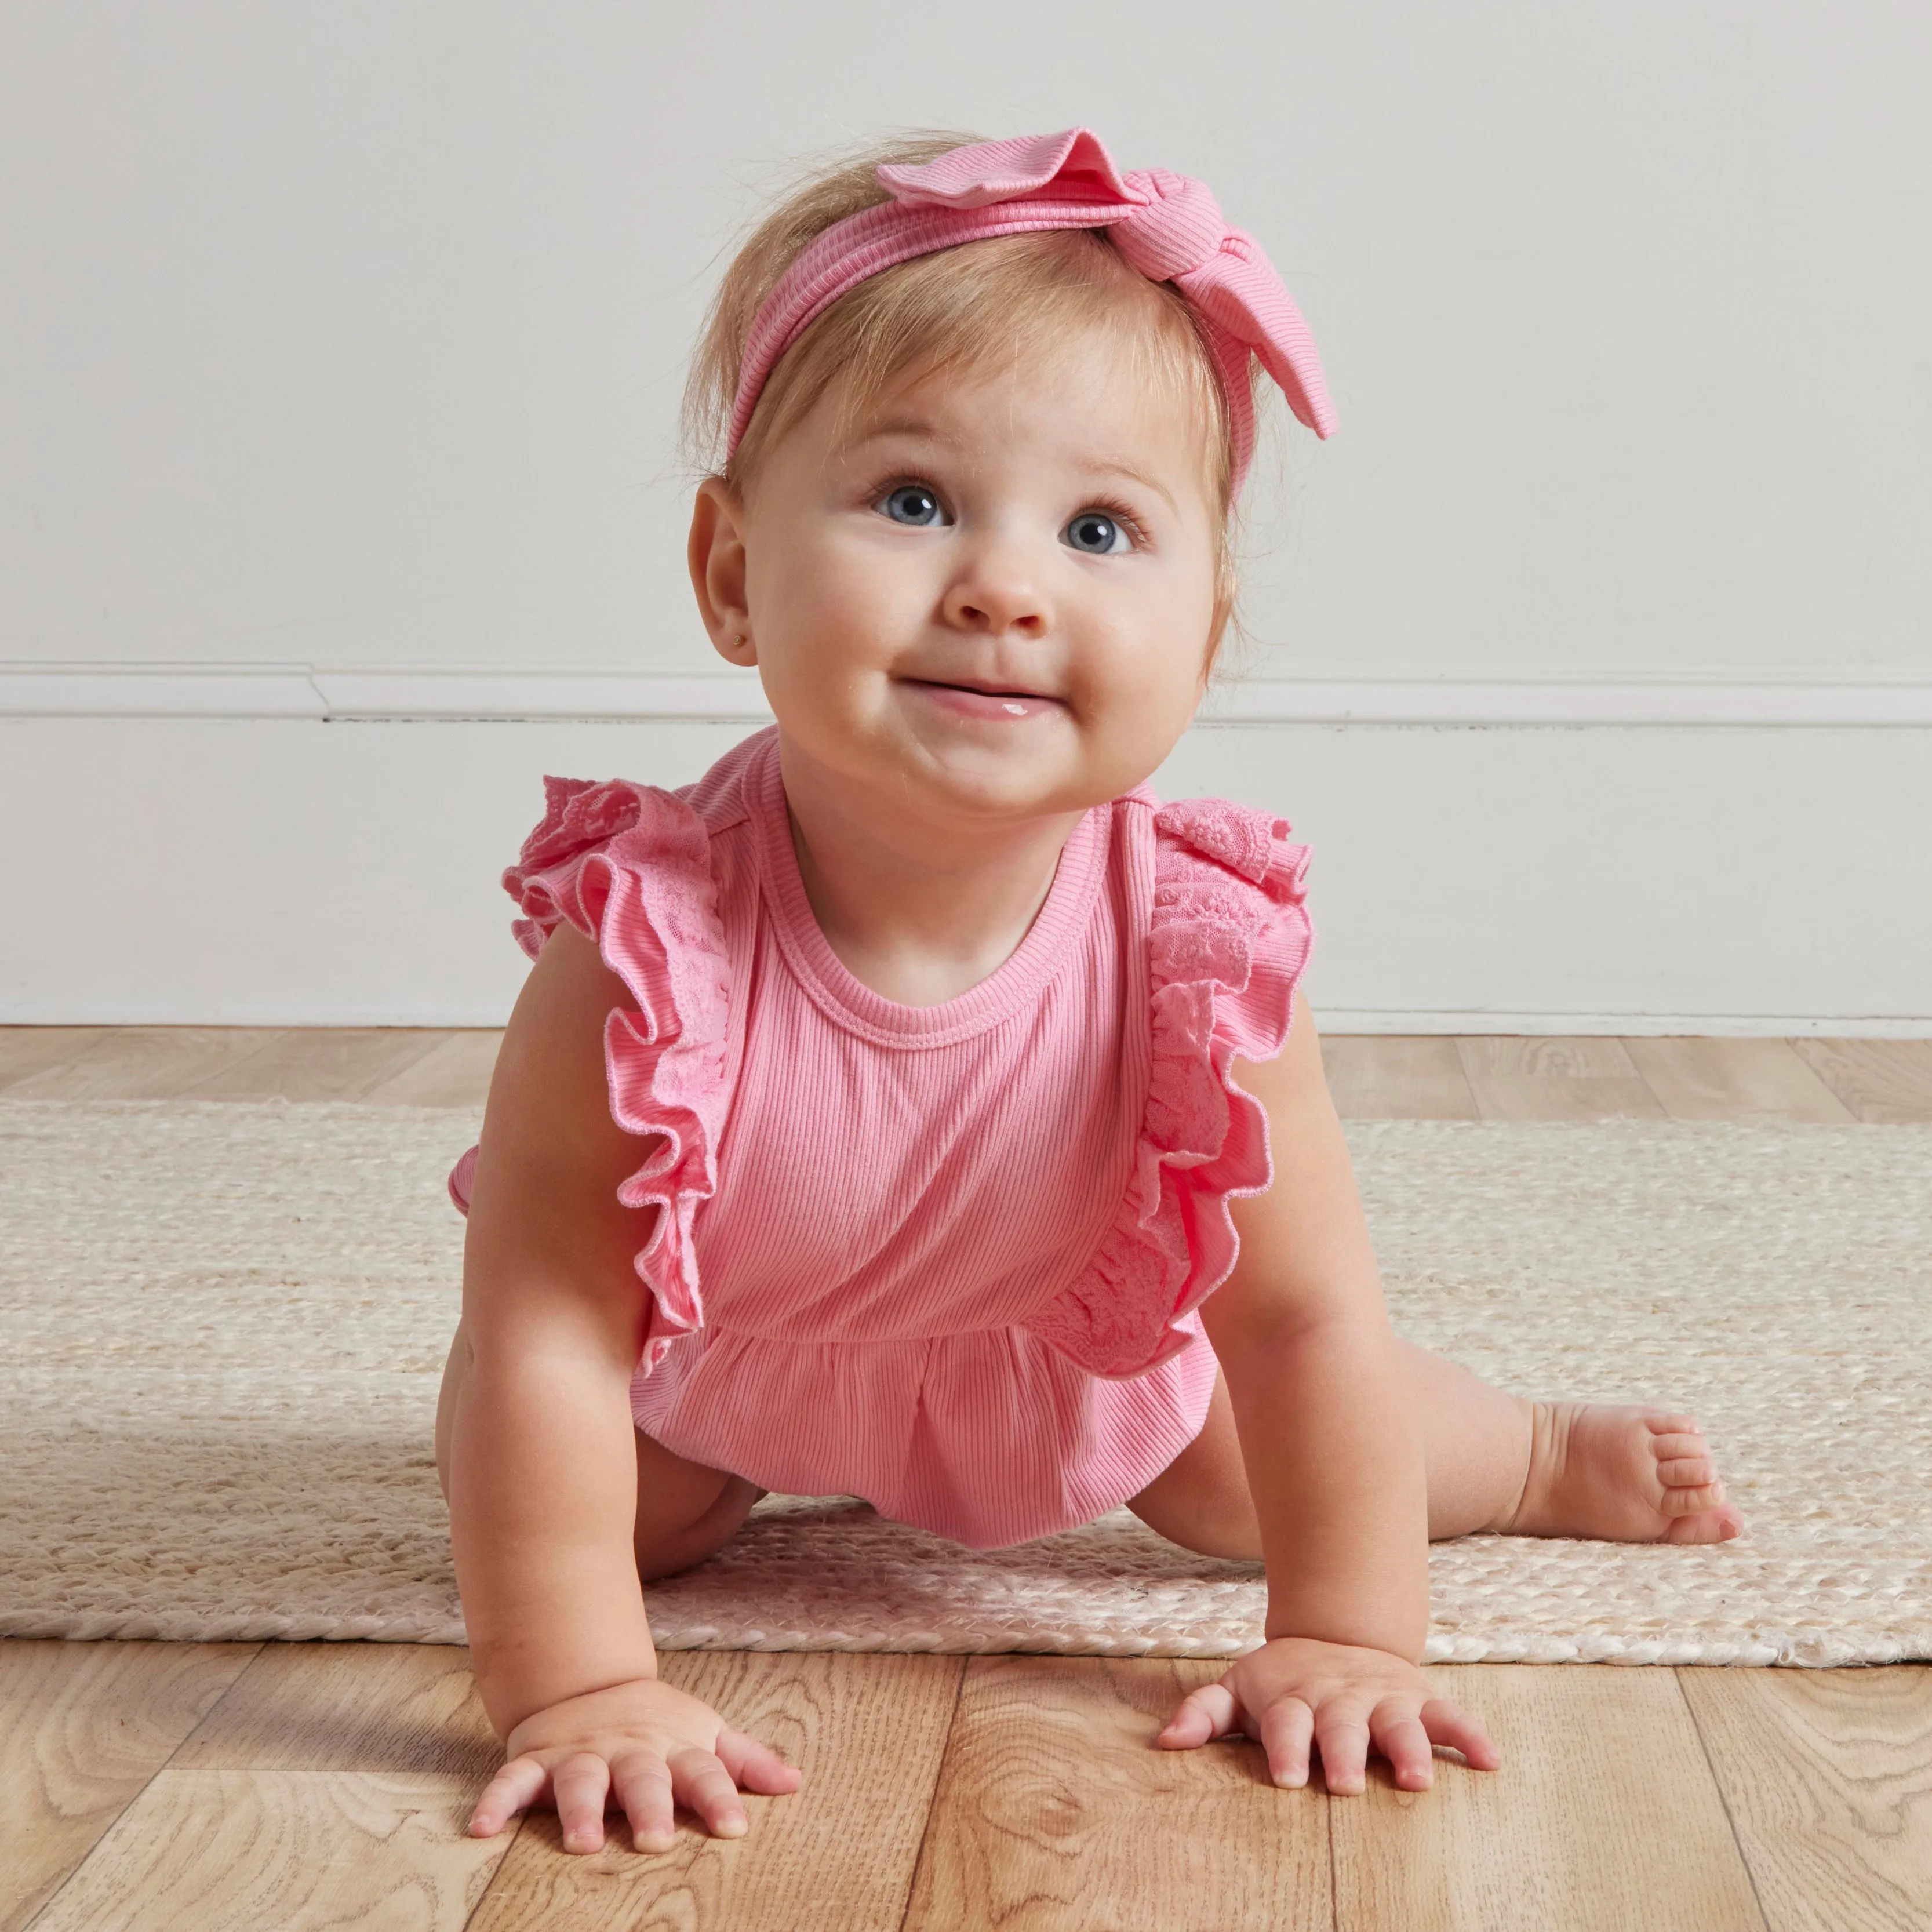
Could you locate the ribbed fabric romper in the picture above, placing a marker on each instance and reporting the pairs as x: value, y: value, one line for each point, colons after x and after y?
x: 947, y: 1258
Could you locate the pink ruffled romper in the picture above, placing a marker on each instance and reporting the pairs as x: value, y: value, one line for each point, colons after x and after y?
x: 947, y: 1258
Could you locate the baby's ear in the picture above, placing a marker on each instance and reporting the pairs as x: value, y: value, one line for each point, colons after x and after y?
x: 716, y: 555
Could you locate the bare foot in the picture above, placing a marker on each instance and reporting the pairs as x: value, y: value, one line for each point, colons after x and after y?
x: 1620, y: 1472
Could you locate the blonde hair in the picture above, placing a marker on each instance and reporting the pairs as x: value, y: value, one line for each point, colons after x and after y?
x: 959, y: 308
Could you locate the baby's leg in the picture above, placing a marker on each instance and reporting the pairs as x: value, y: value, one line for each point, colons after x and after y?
x: 685, y: 1511
x: 1622, y: 1472
x: 1625, y: 1473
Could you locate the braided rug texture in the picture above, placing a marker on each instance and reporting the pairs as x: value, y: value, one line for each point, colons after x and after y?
x: 223, y: 1325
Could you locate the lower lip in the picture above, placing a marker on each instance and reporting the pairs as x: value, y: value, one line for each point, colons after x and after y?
x: 1001, y: 707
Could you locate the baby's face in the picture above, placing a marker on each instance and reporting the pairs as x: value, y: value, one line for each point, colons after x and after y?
x: 996, y: 592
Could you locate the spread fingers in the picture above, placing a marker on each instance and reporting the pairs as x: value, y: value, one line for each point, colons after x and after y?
x: 1450, y: 1724
x: 755, y: 1765
x: 579, y: 1786
x: 1399, y: 1737
x: 1288, y: 1732
x: 1209, y: 1712
x: 511, y: 1790
x: 700, y: 1780
x: 642, y: 1781
x: 1343, y: 1736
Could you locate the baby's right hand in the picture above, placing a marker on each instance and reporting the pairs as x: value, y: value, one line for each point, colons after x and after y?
x: 647, y: 1743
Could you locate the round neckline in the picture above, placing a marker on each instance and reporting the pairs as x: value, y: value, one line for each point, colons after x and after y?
x: 844, y: 998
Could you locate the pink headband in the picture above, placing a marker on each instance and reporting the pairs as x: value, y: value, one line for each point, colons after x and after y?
x: 1167, y: 226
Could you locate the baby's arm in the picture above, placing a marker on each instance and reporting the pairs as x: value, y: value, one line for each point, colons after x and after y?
x: 541, y: 1454
x: 1334, y: 1461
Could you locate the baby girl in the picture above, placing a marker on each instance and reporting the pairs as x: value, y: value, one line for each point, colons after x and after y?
x: 915, y: 1108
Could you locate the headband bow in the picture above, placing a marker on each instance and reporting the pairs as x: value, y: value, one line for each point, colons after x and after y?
x: 1167, y: 226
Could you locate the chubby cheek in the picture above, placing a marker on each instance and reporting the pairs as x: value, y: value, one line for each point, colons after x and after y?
x: 828, y: 626
x: 814, y: 610
x: 1132, y: 737
x: 1138, y: 700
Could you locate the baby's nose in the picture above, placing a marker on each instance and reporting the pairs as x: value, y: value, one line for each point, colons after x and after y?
x: 998, y: 595
x: 993, y: 617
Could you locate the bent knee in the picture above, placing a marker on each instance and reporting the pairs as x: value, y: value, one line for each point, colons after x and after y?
x: 1229, y: 1531
x: 663, y: 1552
x: 1187, y: 1505
x: 1202, y: 1500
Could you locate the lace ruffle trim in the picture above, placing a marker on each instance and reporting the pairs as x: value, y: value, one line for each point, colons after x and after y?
x: 1229, y: 937
x: 629, y: 867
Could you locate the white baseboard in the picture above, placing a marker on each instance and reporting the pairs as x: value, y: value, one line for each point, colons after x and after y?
x: 159, y: 691
x: 1768, y: 701
x: 1756, y: 700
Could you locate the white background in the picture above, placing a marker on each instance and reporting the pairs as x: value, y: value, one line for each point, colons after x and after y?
x: 348, y: 336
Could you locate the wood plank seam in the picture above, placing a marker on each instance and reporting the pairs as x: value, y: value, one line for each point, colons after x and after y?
x: 1648, y: 1082
x: 1655, y: 1093
x: 236, y: 1689
x: 213, y: 1711
x: 1723, y: 1798
x: 1334, y: 1872
x: 945, y: 1751
x: 46, y: 1904
x: 230, y: 1851
x: 483, y: 1897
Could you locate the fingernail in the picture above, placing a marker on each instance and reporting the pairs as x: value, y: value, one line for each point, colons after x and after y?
x: 731, y: 1824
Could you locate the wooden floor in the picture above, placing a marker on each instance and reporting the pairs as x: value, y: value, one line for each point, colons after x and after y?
x: 266, y: 1788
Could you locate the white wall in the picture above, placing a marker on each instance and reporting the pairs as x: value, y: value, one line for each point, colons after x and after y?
x: 348, y: 337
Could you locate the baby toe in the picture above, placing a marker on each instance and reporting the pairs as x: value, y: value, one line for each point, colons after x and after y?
x: 1714, y: 1525
x: 1672, y: 1422
x: 1693, y: 1500
x: 1687, y: 1472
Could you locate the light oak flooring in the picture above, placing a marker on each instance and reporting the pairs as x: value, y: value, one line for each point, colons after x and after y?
x: 266, y: 1788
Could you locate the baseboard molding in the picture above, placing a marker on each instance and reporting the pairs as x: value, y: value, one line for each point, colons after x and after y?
x: 1773, y: 701
x: 341, y: 697
x: 1769, y: 700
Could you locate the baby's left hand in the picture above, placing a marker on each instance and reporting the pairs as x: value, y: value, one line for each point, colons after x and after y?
x: 1293, y: 1692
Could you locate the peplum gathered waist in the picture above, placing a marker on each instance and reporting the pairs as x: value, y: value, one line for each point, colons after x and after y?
x: 991, y: 1437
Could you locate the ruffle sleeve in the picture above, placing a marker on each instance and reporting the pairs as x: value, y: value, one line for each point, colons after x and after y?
x: 629, y: 867
x: 1228, y: 938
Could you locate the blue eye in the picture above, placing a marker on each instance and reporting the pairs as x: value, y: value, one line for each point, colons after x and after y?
x: 913, y: 503
x: 1093, y: 533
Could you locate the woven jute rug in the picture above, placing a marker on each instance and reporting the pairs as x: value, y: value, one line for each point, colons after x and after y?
x: 223, y: 1327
